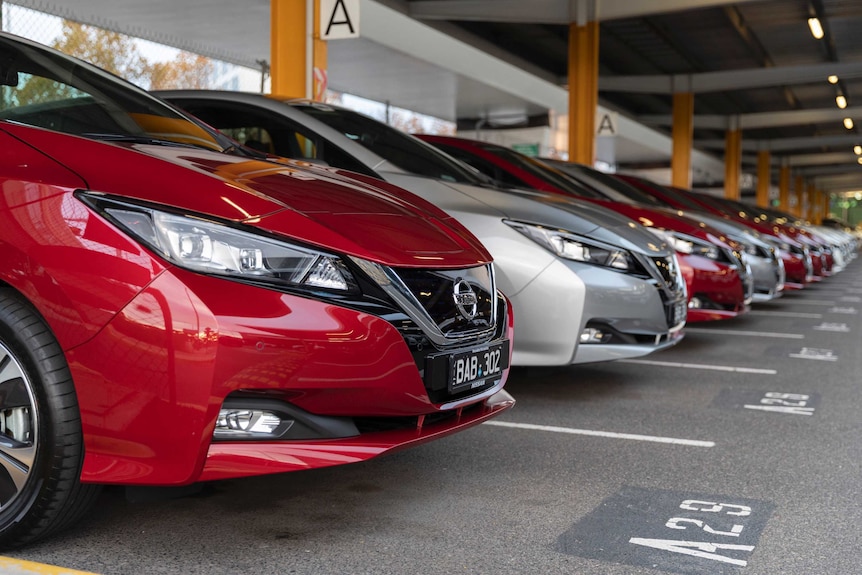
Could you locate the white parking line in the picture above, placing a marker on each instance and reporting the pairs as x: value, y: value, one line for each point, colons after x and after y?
x: 610, y: 434
x: 700, y: 366
x: 787, y: 314
x: 813, y: 302
x: 746, y: 333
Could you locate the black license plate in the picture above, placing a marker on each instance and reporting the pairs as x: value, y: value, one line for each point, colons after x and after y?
x: 473, y: 368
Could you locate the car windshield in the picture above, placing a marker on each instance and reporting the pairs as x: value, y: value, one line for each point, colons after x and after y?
x: 609, y: 186
x: 44, y: 88
x: 402, y: 150
x: 543, y: 171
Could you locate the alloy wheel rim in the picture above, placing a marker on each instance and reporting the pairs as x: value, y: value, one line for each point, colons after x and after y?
x: 19, y: 427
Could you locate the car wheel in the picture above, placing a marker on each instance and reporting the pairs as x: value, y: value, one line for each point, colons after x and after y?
x: 41, y: 442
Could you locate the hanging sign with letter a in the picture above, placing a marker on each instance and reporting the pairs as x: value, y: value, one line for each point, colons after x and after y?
x: 339, y: 19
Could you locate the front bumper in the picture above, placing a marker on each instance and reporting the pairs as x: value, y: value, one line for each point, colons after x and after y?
x: 715, y: 289
x: 567, y: 297
x: 152, y: 382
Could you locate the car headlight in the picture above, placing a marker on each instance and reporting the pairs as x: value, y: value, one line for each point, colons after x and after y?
x: 685, y: 244
x: 572, y: 247
x: 208, y: 246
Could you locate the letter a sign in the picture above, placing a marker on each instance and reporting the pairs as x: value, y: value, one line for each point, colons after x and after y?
x: 339, y: 19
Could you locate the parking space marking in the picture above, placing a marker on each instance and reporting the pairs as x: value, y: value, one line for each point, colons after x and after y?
x: 836, y: 327
x: 814, y: 353
x: 680, y: 532
x: 843, y: 310
x: 786, y: 314
x: 813, y: 302
x: 701, y: 366
x: 745, y: 333
x: 11, y: 566
x: 609, y: 434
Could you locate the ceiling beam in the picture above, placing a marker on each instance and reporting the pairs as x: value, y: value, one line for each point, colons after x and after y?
x: 784, y: 144
x: 759, y: 120
x: 728, y: 80
x: 550, y: 11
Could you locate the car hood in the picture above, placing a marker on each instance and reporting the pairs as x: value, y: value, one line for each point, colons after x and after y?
x: 667, y: 220
x: 321, y: 206
x: 575, y: 216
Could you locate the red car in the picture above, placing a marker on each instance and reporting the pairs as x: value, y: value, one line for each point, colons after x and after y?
x: 719, y: 286
x: 796, y: 255
x: 174, y: 309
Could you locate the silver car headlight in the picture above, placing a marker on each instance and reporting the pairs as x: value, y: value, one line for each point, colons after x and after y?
x: 686, y: 244
x: 573, y: 247
x: 208, y: 246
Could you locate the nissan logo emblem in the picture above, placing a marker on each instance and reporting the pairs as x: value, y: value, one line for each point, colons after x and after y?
x: 465, y: 299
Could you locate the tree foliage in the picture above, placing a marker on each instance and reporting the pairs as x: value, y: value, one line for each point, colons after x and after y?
x: 120, y: 54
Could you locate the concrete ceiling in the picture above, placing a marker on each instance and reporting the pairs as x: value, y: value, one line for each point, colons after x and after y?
x: 753, y: 60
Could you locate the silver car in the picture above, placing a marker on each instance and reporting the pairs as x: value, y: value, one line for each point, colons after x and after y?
x: 586, y: 284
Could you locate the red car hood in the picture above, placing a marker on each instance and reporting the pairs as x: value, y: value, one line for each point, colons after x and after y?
x: 320, y: 206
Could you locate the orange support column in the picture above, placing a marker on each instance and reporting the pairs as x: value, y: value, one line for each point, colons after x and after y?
x: 319, y: 59
x: 683, y: 139
x: 732, y: 162
x: 764, y: 174
x: 784, y: 188
x: 583, y: 91
x: 800, y: 197
x: 807, y: 214
x: 288, y: 48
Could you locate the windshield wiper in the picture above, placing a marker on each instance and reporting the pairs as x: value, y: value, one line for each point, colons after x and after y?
x: 139, y: 139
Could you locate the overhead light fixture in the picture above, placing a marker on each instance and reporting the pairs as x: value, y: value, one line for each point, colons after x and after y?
x: 841, y: 101
x: 859, y: 160
x: 816, y: 28
x: 857, y: 149
x: 833, y: 79
x: 848, y: 123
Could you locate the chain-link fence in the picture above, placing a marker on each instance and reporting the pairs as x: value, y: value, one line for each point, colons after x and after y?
x: 149, y: 64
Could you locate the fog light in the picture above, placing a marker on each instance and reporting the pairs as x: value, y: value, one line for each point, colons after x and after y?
x: 592, y: 335
x: 245, y: 423
x: 695, y: 303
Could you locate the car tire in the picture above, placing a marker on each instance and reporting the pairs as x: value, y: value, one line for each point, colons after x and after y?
x: 41, y: 441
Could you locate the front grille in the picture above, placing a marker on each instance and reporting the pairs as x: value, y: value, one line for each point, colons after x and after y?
x: 671, y: 287
x: 668, y: 270
x: 438, y: 293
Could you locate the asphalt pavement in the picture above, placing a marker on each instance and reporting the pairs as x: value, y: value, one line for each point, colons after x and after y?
x: 737, y: 451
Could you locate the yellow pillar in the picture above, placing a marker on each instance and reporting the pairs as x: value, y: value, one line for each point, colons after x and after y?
x: 784, y: 188
x: 289, y: 44
x: 763, y: 178
x: 732, y: 162
x: 809, y: 203
x: 287, y: 37
x: 683, y: 139
x: 583, y: 91
x: 319, y: 59
x: 800, y: 197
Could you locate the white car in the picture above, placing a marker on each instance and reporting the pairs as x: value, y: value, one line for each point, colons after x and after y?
x: 586, y: 284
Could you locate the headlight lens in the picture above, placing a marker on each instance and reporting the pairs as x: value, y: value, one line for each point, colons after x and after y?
x: 685, y: 244
x: 211, y: 247
x: 572, y: 247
